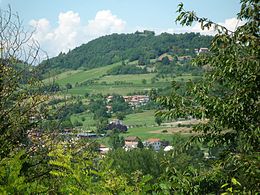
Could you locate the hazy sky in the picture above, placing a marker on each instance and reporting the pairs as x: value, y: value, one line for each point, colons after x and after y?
x: 64, y: 24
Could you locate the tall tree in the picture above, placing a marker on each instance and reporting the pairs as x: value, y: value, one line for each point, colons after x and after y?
x: 18, y: 97
x: 228, y: 98
x: 20, y: 101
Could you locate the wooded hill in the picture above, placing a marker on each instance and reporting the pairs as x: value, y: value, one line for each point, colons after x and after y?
x: 119, y: 47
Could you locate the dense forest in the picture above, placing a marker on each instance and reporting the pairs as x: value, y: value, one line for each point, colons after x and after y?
x: 118, y: 47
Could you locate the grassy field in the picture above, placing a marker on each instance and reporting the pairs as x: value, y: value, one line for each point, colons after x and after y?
x: 80, y: 76
x: 109, y: 89
x: 145, y: 133
x: 86, y: 119
x: 145, y: 118
x: 60, y: 76
x: 129, y: 78
x: 141, y: 125
x: 109, y: 84
x: 130, y: 84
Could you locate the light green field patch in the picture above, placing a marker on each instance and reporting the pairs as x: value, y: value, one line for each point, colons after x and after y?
x: 86, y: 119
x: 145, y: 133
x: 79, y: 76
x: 60, y: 76
x: 145, y: 118
x: 129, y: 78
x: 108, y: 89
x: 186, y: 77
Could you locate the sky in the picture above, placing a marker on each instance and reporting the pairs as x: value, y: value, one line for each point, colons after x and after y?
x: 61, y: 25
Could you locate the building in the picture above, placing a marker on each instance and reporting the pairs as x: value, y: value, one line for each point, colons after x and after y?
x: 137, y: 100
x: 103, y: 149
x: 203, y: 50
x: 131, y: 142
x: 154, y: 143
x: 134, y: 101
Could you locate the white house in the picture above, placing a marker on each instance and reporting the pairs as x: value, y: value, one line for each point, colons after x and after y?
x: 155, y: 143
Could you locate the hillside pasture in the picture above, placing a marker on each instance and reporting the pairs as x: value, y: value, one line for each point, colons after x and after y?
x: 79, y: 76
x: 108, y: 89
x: 128, y: 78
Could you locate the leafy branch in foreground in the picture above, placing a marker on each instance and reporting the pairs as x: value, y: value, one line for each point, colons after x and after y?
x: 227, y: 97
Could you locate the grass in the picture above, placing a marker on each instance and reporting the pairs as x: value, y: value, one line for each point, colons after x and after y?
x: 109, y: 89
x: 80, y: 76
x: 60, y: 76
x: 186, y: 77
x: 143, y: 123
x: 129, y: 78
x: 88, y: 122
x: 145, y: 118
x: 145, y: 133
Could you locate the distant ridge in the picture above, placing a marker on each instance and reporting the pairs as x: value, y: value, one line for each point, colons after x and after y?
x: 118, y: 47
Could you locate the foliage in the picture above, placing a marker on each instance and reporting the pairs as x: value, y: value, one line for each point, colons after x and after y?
x: 117, y: 126
x: 19, y: 97
x: 119, y: 104
x: 116, y: 141
x: 11, y: 180
x: 98, y: 107
x: 84, y: 173
x: 158, y: 120
x: 228, y: 97
x: 146, y: 161
x: 22, y: 155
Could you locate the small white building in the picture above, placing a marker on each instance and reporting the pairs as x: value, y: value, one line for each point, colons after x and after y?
x: 203, y: 50
x: 103, y: 149
x: 155, y: 143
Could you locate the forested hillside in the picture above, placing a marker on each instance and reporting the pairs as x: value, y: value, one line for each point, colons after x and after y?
x: 117, y: 47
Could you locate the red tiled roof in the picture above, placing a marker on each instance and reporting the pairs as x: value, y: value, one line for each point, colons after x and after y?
x: 153, y: 140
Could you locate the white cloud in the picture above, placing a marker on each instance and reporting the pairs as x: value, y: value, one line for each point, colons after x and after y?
x: 70, y: 32
x: 105, y: 23
x: 230, y: 24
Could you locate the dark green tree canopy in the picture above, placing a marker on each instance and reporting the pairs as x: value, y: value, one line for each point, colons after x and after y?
x: 228, y: 97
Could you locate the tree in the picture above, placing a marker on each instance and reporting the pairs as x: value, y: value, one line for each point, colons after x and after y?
x: 21, y: 156
x: 165, y: 60
x: 140, y: 144
x: 228, y: 98
x: 68, y: 86
x: 144, y: 81
x: 116, y: 141
x: 158, y: 120
x: 119, y: 104
x: 19, y: 101
x: 120, y: 115
x: 101, y: 124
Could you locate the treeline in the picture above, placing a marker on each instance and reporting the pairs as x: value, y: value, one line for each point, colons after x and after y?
x: 117, y: 47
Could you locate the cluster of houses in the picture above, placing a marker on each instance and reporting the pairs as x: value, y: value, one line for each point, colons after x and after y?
x: 134, y: 101
x: 133, y: 142
x: 156, y: 144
